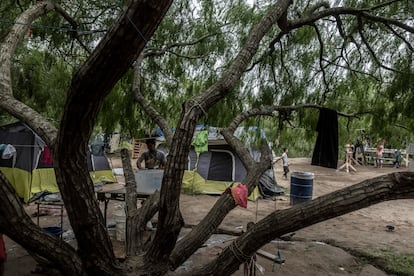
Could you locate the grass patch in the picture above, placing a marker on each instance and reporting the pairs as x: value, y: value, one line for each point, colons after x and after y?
x: 395, y: 263
x: 399, y: 264
x: 385, y: 258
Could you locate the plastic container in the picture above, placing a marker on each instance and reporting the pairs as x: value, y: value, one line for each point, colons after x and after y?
x: 301, y: 187
x: 148, y: 181
x: 120, y: 222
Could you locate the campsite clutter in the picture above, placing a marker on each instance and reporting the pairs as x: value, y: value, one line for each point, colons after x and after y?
x: 255, y: 262
x: 213, y: 168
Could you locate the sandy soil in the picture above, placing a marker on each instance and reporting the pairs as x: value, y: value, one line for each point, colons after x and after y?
x: 315, y: 250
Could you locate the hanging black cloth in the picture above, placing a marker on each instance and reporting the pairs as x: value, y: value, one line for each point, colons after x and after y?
x: 325, y: 153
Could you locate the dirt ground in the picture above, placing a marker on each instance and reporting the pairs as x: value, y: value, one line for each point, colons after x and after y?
x: 333, y: 247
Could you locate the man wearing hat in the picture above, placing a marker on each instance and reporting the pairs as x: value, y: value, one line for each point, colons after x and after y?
x: 154, y: 159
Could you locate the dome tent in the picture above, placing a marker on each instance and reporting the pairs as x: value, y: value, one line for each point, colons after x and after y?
x: 217, y: 166
x: 32, y: 171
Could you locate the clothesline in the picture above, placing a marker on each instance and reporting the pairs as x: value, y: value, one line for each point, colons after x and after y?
x: 28, y: 146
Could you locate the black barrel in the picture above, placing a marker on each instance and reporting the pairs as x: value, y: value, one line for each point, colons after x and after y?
x: 301, y: 187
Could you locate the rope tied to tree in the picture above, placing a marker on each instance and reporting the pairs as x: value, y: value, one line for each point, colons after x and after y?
x: 238, y: 253
x: 196, y: 104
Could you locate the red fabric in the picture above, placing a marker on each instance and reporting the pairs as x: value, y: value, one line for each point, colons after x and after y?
x: 47, y: 156
x: 240, y: 193
x: 2, y: 250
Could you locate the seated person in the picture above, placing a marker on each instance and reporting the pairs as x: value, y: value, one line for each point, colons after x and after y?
x: 153, y: 158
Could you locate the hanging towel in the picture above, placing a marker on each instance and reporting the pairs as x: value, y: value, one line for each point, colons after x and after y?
x: 47, y: 156
x: 201, y: 141
x: 325, y: 153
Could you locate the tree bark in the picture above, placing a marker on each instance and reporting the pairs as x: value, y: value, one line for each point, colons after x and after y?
x: 136, y: 219
x: 92, y: 82
x: 170, y: 219
x: 208, y: 225
x: 387, y: 187
x: 90, y: 85
x: 130, y: 203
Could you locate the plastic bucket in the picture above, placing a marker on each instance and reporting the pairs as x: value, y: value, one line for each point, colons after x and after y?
x: 301, y: 187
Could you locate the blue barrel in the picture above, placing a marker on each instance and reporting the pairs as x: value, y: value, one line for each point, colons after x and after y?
x: 301, y: 187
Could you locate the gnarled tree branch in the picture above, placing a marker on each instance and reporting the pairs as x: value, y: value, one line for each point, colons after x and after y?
x: 388, y: 187
x: 24, y: 113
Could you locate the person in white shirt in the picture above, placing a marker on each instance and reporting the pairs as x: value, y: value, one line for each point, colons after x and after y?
x: 285, y: 162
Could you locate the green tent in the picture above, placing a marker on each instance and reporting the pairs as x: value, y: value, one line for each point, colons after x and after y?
x: 31, y: 170
x: 213, y: 165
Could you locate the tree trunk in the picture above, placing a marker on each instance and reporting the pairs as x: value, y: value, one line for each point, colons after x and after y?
x: 202, y: 232
x: 170, y: 219
x: 92, y: 82
x: 130, y: 203
x: 136, y: 220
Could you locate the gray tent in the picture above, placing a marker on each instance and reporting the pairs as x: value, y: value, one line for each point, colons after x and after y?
x: 31, y: 171
x: 212, y: 171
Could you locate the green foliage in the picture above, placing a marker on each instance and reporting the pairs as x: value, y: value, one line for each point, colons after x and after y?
x: 41, y: 81
x: 303, y: 36
x: 9, y: 10
x: 296, y: 131
x: 195, y: 43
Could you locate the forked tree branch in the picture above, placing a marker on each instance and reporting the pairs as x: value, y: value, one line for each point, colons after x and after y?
x: 270, y: 110
x: 311, y: 18
x: 400, y: 37
x: 152, y: 52
x: 370, y: 50
x: 74, y: 25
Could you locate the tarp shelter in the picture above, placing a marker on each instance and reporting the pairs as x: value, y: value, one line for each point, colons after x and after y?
x: 216, y: 166
x: 31, y: 171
